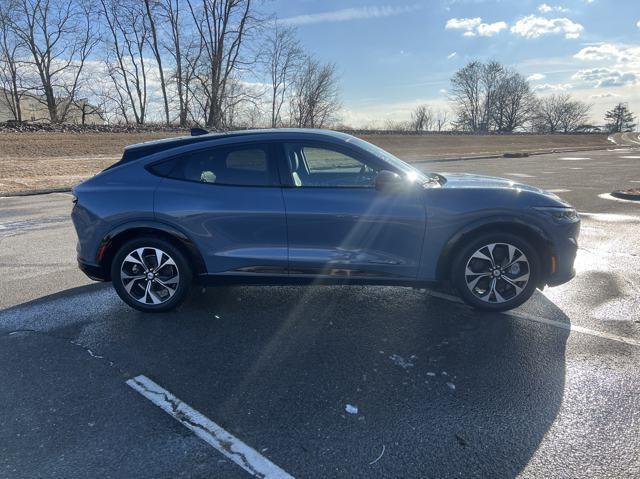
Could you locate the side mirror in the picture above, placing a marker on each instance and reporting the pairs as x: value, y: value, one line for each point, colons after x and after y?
x: 388, y: 181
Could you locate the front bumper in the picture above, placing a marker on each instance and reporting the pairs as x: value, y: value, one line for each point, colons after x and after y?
x: 93, y: 271
x: 564, y: 250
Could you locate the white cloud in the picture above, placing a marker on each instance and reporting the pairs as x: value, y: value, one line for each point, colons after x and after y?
x: 553, y: 87
x: 451, y: 55
x: 546, y: 8
x: 606, y: 77
x: 443, y: 91
x: 475, y: 26
x: 536, y: 77
x: 638, y: 24
x: 533, y: 26
x: 348, y: 14
x: 491, y: 29
x: 625, y: 57
x: 463, y: 23
x: 605, y: 95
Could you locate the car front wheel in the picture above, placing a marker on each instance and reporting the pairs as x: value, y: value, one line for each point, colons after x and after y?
x: 496, y: 272
x: 151, y: 275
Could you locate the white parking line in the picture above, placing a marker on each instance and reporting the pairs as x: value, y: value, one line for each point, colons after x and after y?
x: 222, y: 441
x: 550, y: 322
x: 559, y: 190
x: 574, y: 158
x: 607, y: 196
x: 520, y: 175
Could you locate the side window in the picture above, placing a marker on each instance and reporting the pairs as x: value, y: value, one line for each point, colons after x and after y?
x: 239, y: 166
x: 317, y: 166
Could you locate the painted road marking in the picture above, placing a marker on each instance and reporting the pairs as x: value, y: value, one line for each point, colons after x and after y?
x: 610, y: 217
x: 520, y: 175
x: 559, y: 190
x: 607, y: 196
x: 228, y: 445
x: 631, y: 157
x: 574, y: 158
x: 549, y: 322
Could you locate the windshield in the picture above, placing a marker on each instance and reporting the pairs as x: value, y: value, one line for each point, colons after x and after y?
x: 412, y: 173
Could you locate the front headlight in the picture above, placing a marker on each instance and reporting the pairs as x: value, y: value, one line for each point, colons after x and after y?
x: 560, y: 214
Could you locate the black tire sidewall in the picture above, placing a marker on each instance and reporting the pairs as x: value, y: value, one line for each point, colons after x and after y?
x: 463, y: 255
x: 181, y: 262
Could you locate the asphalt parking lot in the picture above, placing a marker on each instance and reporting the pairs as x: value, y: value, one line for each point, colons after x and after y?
x: 327, y: 381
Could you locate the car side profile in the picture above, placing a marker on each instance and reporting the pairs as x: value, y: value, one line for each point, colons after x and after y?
x: 288, y: 206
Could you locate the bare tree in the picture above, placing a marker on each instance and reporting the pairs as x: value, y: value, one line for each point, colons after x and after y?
x: 10, y: 51
x: 441, y: 119
x: 491, y: 97
x: 422, y: 118
x: 155, y: 48
x: 560, y: 113
x: 223, y: 27
x: 396, y: 125
x: 283, y: 56
x: 59, y: 36
x: 126, y: 52
x: 184, y: 50
x: 514, y: 103
x: 466, y: 93
x: 492, y: 77
x: 620, y: 118
x: 315, y: 102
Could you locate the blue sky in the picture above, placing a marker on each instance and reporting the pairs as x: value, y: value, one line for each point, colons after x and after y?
x: 393, y: 55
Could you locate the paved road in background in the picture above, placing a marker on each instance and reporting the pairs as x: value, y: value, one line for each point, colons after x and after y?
x: 440, y: 390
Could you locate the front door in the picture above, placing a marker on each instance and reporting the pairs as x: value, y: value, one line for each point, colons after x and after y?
x: 338, y: 224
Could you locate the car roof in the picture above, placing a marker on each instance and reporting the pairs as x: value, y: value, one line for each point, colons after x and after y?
x: 140, y: 150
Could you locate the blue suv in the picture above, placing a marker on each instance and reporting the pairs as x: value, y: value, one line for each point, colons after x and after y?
x: 312, y: 206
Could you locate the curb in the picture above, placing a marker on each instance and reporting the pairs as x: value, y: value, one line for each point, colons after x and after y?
x: 12, y: 194
x: 520, y: 155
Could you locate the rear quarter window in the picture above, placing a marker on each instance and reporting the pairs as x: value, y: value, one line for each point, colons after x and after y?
x: 237, y: 166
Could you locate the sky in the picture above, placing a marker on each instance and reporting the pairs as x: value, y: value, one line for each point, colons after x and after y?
x: 394, y: 55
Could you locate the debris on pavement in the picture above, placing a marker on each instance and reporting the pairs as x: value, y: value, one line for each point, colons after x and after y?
x: 351, y: 409
x: 379, y: 457
x: 400, y: 361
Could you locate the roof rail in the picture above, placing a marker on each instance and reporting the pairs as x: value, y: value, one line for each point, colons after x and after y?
x: 198, y: 131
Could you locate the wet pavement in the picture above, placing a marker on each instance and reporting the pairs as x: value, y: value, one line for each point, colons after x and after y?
x: 549, y: 390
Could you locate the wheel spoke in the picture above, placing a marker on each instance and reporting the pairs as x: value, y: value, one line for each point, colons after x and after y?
x: 131, y: 259
x: 472, y: 284
x: 480, y: 255
x: 159, y: 254
x: 487, y: 296
x: 130, y: 284
x: 490, y: 248
x: 519, y: 279
x: 140, y: 252
x: 168, y: 262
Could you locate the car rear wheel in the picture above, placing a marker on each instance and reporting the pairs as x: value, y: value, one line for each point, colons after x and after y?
x: 496, y: 272
x: 151, y: 275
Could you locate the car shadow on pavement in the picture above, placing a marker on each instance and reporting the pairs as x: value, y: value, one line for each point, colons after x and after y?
x: 444, y: 390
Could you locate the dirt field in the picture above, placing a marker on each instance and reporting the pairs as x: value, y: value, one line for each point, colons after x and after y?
x: 43, y: 160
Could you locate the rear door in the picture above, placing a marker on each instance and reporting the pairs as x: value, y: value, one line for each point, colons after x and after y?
x: 228, y: 200
x: 338, y: 224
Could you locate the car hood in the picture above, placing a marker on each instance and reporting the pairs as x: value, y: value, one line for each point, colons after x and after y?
x: 466, y: 180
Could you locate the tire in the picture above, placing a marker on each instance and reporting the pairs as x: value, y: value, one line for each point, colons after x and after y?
x: 496, y: 271
x: 151, y: 290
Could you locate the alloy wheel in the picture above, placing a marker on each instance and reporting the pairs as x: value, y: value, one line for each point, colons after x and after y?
x: 497, y: 272
x: 149, y: 275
